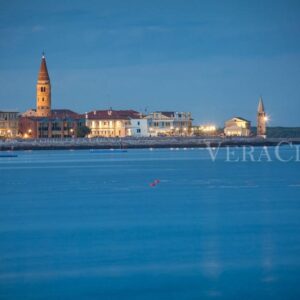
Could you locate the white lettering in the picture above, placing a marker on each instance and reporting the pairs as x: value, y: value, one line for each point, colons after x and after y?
x: 277, y: 153
x: 212, y: 152
x: 248, y: 153
x: 264, y: 154
x: 230, y: 153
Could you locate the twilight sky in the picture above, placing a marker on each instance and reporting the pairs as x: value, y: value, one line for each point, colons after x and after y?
x: 213, y: 58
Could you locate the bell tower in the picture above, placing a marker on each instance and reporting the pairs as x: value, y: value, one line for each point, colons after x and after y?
x: 261, y: 119
x: 43, y: 91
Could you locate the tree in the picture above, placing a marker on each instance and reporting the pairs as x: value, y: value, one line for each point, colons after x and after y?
x: 83, y: 131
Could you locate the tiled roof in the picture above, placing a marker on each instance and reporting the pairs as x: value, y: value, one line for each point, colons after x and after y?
x: 64, y: 113
x: 113, y: 115
x: 58, y: 114
x: 242, y: 119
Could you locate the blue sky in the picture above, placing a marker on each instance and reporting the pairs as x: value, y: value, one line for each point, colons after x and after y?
x: 213, y: 58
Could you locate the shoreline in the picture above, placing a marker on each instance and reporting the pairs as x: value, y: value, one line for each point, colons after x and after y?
x: 140, y: 143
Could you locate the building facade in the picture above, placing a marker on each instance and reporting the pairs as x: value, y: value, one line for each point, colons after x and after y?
x: 8, y: 124
x: 169, y: 123
x: 138, y: 127
x: 237, y: 126
x: 116, y: 123
x: 62, y: 123
x: 261, y: 119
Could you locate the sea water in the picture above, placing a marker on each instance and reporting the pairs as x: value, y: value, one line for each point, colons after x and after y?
x: 82, y: 225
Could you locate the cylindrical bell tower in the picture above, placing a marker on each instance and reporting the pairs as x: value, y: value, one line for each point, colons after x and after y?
x: 43, y: 91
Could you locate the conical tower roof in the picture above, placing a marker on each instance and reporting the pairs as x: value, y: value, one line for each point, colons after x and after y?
x: 43, y: 74
x: 261, y: 107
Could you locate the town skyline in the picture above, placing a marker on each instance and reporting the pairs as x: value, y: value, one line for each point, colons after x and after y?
x: 46, y: 121
x: 147, y: 73
x: 146, y: 111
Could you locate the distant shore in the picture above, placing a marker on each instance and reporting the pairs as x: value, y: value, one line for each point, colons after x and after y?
x: 145, y: 142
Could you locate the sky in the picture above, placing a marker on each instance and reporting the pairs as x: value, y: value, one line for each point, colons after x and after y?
x: 212, y: 58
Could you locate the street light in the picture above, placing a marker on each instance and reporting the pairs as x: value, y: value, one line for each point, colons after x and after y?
x: 72, y: 131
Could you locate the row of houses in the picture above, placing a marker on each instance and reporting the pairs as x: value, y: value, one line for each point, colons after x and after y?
x: 62, y: 123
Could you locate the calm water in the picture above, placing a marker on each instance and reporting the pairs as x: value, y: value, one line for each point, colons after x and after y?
x: 81, y: 225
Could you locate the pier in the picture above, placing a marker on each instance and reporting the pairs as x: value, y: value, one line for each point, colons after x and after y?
x: 145, y: 142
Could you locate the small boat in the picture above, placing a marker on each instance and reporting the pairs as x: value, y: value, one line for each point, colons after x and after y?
x: 8, y: 155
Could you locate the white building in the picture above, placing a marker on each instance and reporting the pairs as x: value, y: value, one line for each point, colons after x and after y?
x: 116, y: 123
x: 169, y: 123
x: 138, y: 127
x: 237, y: 126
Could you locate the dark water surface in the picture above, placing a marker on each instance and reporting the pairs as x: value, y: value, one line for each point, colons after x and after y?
x: 81, y: 225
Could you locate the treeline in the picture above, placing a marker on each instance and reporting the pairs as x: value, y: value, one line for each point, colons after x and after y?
x: 282, y: 132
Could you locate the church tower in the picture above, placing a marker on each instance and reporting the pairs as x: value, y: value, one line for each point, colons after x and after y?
x: 43, y: 91
x: 261, y: 119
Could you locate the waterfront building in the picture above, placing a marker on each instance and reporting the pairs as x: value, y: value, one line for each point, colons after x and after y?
x: 169, y: 123
x: 261, y: 119
x: 116, y: 123
x: 138, y: 127
x: 8, y: 124
x: 237, y: 126
x: 61, y: 123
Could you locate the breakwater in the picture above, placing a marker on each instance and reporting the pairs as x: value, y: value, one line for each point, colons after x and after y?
x: 145, y: 142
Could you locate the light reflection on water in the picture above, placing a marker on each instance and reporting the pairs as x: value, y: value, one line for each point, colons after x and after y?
x: 81, y: 225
